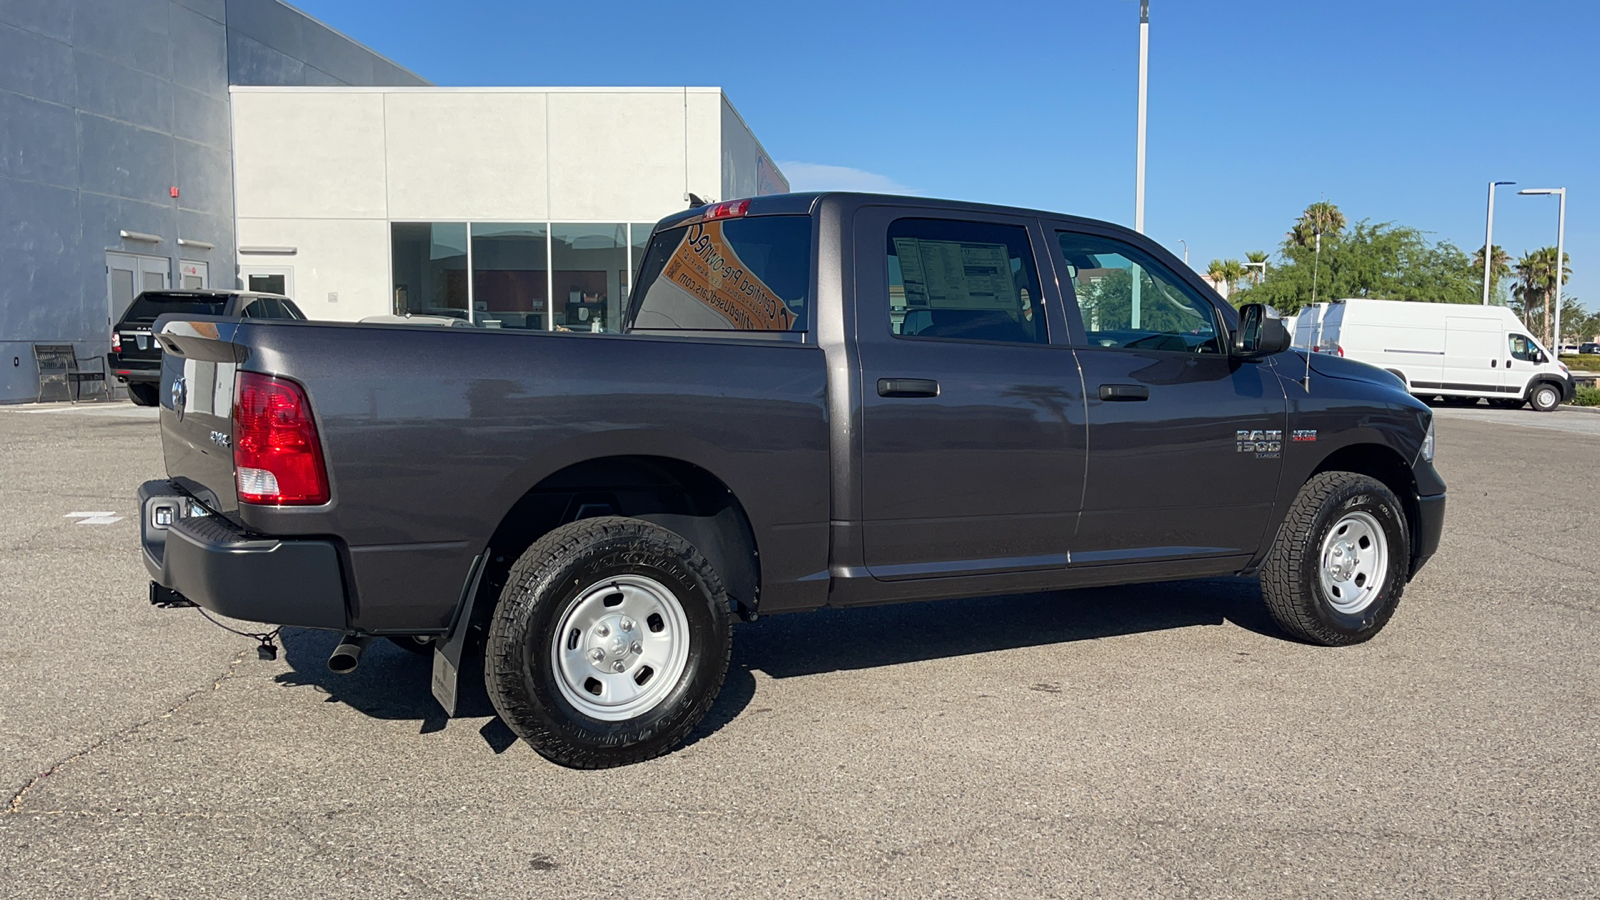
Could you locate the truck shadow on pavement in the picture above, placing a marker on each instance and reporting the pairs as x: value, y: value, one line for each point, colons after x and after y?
x: 394, y: 684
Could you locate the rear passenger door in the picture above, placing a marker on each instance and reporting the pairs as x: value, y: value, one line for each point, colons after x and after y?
x: 972, y: 420
x: 1184, y: 442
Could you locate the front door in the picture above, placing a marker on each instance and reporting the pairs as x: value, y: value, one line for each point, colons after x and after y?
x: 1185, y: 443
x: 193, y: 276
x: 972, y: 420
x: 1522, y: 360
x: 268, y: 279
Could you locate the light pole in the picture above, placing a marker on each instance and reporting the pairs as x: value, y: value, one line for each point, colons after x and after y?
x: 1185, y: 250
x: 1561, y: 269
x: 1263, y: 266
x: 1488, y: 239
x: 1144, y: 83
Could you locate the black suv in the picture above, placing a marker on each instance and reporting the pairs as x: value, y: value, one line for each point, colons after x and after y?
x: 135, y: 357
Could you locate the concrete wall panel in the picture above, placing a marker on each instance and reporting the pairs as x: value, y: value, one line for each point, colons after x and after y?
x: 215, y: 10
x: 199, y: 52
x: 133, y: 33
x: 466, y: 155
x: 36, y: 66
x: 199, y: 117
x: 349, y: 257
x: 40, y: 286
x: 118, y: 92
x: 616, y: 156
x: 316, y: 155
x: 39, y: 141
x: 124, y: 160
x: 203, y: 176
x: 50, y: 18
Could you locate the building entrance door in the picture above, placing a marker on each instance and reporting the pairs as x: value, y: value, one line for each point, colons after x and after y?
x: 193, y: 276
x: 128, y: 275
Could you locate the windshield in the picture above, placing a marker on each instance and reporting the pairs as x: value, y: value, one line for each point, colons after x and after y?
x: 729, y: 275
x: 147, y: 307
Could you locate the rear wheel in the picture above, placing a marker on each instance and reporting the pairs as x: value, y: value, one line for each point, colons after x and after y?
x: 1545, y: 396
x: 610, y: 643
x: 143, y: 394
x: 1338, y: 566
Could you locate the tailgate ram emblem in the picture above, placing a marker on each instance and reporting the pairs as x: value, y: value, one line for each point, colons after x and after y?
x: 179, y: 396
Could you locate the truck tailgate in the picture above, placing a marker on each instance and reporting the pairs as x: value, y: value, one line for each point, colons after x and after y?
x: 198, y: 369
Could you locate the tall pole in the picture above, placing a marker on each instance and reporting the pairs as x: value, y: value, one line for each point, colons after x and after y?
x: 1561, y: 270
x: 1488, y: 239
x: 1144, y: 84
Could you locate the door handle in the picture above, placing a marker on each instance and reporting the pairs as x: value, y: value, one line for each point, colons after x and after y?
x: 908, y: 387
x: 1124, y: 392
x: 1493, y: 363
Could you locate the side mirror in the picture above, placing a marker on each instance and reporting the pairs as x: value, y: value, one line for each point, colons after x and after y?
x: 1261, y: 332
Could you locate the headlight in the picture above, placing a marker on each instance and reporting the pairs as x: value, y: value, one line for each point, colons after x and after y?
x: 1427, y: 443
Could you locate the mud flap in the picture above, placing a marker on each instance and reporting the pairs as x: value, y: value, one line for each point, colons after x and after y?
x: 447, y: 651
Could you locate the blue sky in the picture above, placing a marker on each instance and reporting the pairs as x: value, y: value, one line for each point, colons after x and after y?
x: 1396, y: 110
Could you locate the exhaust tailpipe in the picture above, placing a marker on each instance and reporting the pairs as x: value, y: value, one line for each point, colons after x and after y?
x: 347, y: 655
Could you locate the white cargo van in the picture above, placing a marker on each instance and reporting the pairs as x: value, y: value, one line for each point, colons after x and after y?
x: 1448, y: 350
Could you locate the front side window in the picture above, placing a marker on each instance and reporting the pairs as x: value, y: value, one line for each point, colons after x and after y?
x: 745, y: 274
x: 1128, y: 300
x: 959, y: 280
x: 1523, y: 348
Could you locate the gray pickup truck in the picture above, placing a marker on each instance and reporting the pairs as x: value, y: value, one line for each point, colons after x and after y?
x: 819, y: 400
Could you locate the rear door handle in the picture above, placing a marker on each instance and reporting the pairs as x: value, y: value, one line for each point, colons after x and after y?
x: 908, y: 387
x: 1124, y: 392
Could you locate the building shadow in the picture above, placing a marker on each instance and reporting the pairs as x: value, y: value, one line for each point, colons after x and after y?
x: 394, y: 684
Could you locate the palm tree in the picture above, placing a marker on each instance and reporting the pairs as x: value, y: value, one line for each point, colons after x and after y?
x: 1217, y: 274
x: 1320, y: 217
x: 1499, y: 267
x: 1232, y: 270
x: 1536, y: 282
x: 1258, y: 271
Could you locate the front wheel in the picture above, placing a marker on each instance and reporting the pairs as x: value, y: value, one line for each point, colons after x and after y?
x: 1338, y: 566
x: 609, y: 644
x: 1545, y: 396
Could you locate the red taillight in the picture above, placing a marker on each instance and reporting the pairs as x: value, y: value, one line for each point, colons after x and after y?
x: 277, y: 459
x: 732, y: 209
x: 1340, y: 348
x: 116, y: 342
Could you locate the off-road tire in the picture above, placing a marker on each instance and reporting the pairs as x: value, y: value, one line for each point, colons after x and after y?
x: 547, y: 581
x: 1290, y: 581
x: 144, y: 394
x: 1544, y: 396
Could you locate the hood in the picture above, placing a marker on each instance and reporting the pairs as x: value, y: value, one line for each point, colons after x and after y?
x: 1350, y: 370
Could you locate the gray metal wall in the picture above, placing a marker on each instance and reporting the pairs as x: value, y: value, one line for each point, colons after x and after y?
x: 105, y: 105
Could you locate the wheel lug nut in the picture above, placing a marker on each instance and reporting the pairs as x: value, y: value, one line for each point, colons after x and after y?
x: 636, y: 647
x: 626, y: 624
x: 597, y: 654
x: 617, y: 666
x: 603, y: 631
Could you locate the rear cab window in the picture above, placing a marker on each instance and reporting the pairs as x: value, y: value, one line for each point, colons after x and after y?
x: 149, y: 306
x: 958, y: 280
x: 731, y: 275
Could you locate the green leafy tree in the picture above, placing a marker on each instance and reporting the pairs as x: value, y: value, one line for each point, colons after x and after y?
x: 1107, y: 305
x: 1383, y: 261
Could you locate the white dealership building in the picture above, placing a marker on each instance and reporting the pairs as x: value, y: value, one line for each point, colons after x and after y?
x: 515, y: 207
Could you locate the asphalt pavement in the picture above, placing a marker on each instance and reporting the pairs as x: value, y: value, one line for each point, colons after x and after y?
x: 1162, y: 740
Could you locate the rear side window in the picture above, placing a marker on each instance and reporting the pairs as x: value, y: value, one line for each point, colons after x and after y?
x: 148, y: 307
x: 958, y: 280
x: 749, y: 274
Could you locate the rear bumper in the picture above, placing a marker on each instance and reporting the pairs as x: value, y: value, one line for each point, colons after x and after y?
x: 135, y: 371
x: 218, y: 567
x: 1430, y: 528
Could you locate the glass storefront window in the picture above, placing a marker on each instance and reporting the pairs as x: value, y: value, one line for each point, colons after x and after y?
x: 590, y: 275
x: 641, y: 239
x: 510, y: 267
x: 430, y: 268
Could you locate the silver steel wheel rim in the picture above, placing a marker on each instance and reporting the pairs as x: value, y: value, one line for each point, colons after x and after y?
x: 621, y: 648
x: 1354, y: 562
x: 1547, y: 396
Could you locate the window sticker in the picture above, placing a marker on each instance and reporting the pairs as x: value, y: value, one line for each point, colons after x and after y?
x: 956, y: 274
x: 705, y: 285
